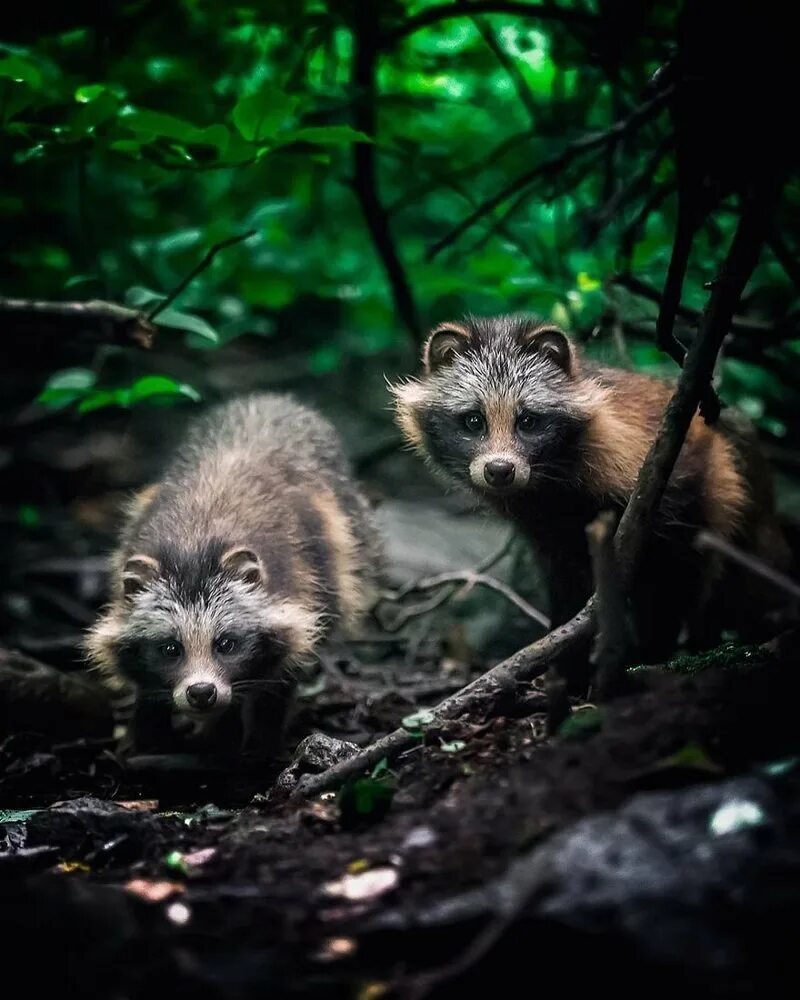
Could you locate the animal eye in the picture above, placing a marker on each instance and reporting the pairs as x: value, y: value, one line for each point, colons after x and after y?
x: 171, y: 650
x: 225, y: 644
x: 474, y: 422
x: 527, y: 421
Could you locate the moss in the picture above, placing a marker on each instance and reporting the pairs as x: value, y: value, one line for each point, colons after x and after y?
x: 728, y: 656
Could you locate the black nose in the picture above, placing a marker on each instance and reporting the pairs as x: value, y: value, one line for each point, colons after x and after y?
x: 201, y: 695
x: 499, y: 473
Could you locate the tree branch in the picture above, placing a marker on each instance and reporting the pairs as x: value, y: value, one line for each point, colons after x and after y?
x: 554, y: 165
x: 198, y: 269
x: 114, y: 322
x: 365, y: 172
x: 524, y: 665
x: 612, y: 642
x: 432, y: 15
x: 518, y: 81
x: 695, y: 378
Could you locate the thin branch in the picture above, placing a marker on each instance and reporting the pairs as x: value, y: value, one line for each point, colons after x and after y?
x: 524, y: 665
x: 695, y: 378
x: 553, y: 165
x: 204, y: 263
x: 612, y: 642
x: 706, y: 540
x: 786, y: 257
x: 518, y: 81
x: 365, y: 169
x: 739, y: 324
x: 470, y: 579
x: 433, y: 15
x: 123, y: 323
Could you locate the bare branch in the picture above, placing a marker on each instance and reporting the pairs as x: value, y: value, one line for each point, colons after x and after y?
x: 111, y: 321
x: 706, y: 540
x: 365, y: 169
x: 432, y: 15
x: 524, y: 665
x: 612, y: 642
x: 553, y: 166
x: 518, y: 81
x: 204, y: 263
x: 471, y: 579
x: 695, y: 378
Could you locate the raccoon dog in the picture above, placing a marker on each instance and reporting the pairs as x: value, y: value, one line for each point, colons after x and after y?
x: 255, y: 544
x: 508, y: 408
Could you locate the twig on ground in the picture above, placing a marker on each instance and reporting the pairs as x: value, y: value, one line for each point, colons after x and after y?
x: 524, y: 665
x: 706, y: 540
x: 114, y: 322
x: 612, y: 643
x: 197, y: 270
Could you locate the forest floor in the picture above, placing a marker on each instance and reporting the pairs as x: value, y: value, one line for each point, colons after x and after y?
x: 651, y: 844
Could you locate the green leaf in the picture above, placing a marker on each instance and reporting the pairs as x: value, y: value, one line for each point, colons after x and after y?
x: 29, y: 516
x: 582, y: 724
x: 157, y: 124
x: 89, y: 92
x: 260, y: 115
x: 21, y: 70
x: 453, y: 746
x: 365, y: 798
x: 99, y: 399
x: 186, y: 321
x: 160, y: 385
x: 323, y: 135
x: 418, y: 720
x: 692, y: 757
x: 66, y: 387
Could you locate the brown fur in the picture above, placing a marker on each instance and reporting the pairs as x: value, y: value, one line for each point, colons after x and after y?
x: 606, y: 420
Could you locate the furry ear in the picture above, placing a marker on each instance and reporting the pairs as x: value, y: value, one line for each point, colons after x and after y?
x: 443, y: 344
x: 243, y: 563
x: 137, y: 573
x: 551, y: 343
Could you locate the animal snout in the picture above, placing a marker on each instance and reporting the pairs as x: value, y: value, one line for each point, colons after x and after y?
x: 201, y: 696
x: 499, y: 473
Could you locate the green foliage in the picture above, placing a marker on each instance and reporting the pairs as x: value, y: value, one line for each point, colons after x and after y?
x: 367, y: 798
x: 137, y: 145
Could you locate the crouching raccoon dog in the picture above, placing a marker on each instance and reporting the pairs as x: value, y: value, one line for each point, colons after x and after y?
x: 509, y: 408
x: 252, y: 548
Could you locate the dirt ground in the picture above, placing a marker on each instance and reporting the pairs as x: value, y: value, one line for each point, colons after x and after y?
x: 205, y: 885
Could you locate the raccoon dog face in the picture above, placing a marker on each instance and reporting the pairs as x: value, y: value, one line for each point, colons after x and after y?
x: 499, y: 406
x: 200, y: 627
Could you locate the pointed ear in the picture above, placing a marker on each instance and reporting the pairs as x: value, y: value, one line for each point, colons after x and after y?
x: 551, y: 343
x: 442, y: 346
x: 137, y: 573
x: 244, y: 564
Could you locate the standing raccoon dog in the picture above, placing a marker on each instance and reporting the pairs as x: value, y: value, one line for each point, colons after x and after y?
x: 508, y: 407
x: 254, y: 545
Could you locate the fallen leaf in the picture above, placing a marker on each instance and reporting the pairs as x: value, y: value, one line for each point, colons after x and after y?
x: 139, y: 805
x: 153, y: 891
x: 365, y: 886
x: 73, y: 866
x: 357, y: 866
x: 200, y: 857
x: 336, y: 948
